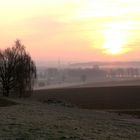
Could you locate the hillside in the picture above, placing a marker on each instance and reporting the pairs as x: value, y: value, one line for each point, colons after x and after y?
x: 32, y: 120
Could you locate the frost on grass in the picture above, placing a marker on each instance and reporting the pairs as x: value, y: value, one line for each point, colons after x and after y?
x: 31, y: 120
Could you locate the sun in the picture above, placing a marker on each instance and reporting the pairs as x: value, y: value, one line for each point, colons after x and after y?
x: 114, y: 41
x: 114, y: 44
x: 114, y: 50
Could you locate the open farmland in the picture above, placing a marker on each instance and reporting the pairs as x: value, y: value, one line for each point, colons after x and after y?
x: 123, y: 99
x: 119, y: 97
x: 54, y: 119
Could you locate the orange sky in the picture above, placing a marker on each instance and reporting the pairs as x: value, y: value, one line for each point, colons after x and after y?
x: 73, y: 30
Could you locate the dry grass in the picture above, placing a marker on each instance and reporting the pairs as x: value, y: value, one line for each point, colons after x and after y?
x: 31, y: 120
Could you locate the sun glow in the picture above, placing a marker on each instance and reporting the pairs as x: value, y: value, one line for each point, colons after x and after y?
x: 112, y: 26
x: 116, y: 38
x: 114, y: 43
x: 105, y: 28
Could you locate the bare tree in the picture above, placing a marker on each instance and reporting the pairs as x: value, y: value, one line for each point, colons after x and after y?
x: 17, y: 70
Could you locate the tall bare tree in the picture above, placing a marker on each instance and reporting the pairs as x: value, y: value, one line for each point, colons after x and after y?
x: 17, y: 70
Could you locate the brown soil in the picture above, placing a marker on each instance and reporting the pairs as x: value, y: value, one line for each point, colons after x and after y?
x: 120, y: 97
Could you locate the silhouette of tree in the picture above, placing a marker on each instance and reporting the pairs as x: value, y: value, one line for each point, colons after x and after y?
x: 83, y: 78
x: 17, y: 70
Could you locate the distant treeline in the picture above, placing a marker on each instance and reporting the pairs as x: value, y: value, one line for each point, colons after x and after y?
x: 69, y: 75
x: 123, y: 72
x: 94, y: 72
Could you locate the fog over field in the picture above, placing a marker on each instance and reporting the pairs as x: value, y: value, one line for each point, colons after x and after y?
x: 88, y: 74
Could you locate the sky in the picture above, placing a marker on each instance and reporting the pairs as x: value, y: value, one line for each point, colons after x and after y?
x: 73, y: 30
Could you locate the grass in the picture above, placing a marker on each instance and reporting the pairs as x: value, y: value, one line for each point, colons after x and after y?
x: 6, y: 102
x: 129, y: 112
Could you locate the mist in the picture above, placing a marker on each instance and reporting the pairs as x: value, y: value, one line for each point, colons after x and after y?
x: 87, y: 74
